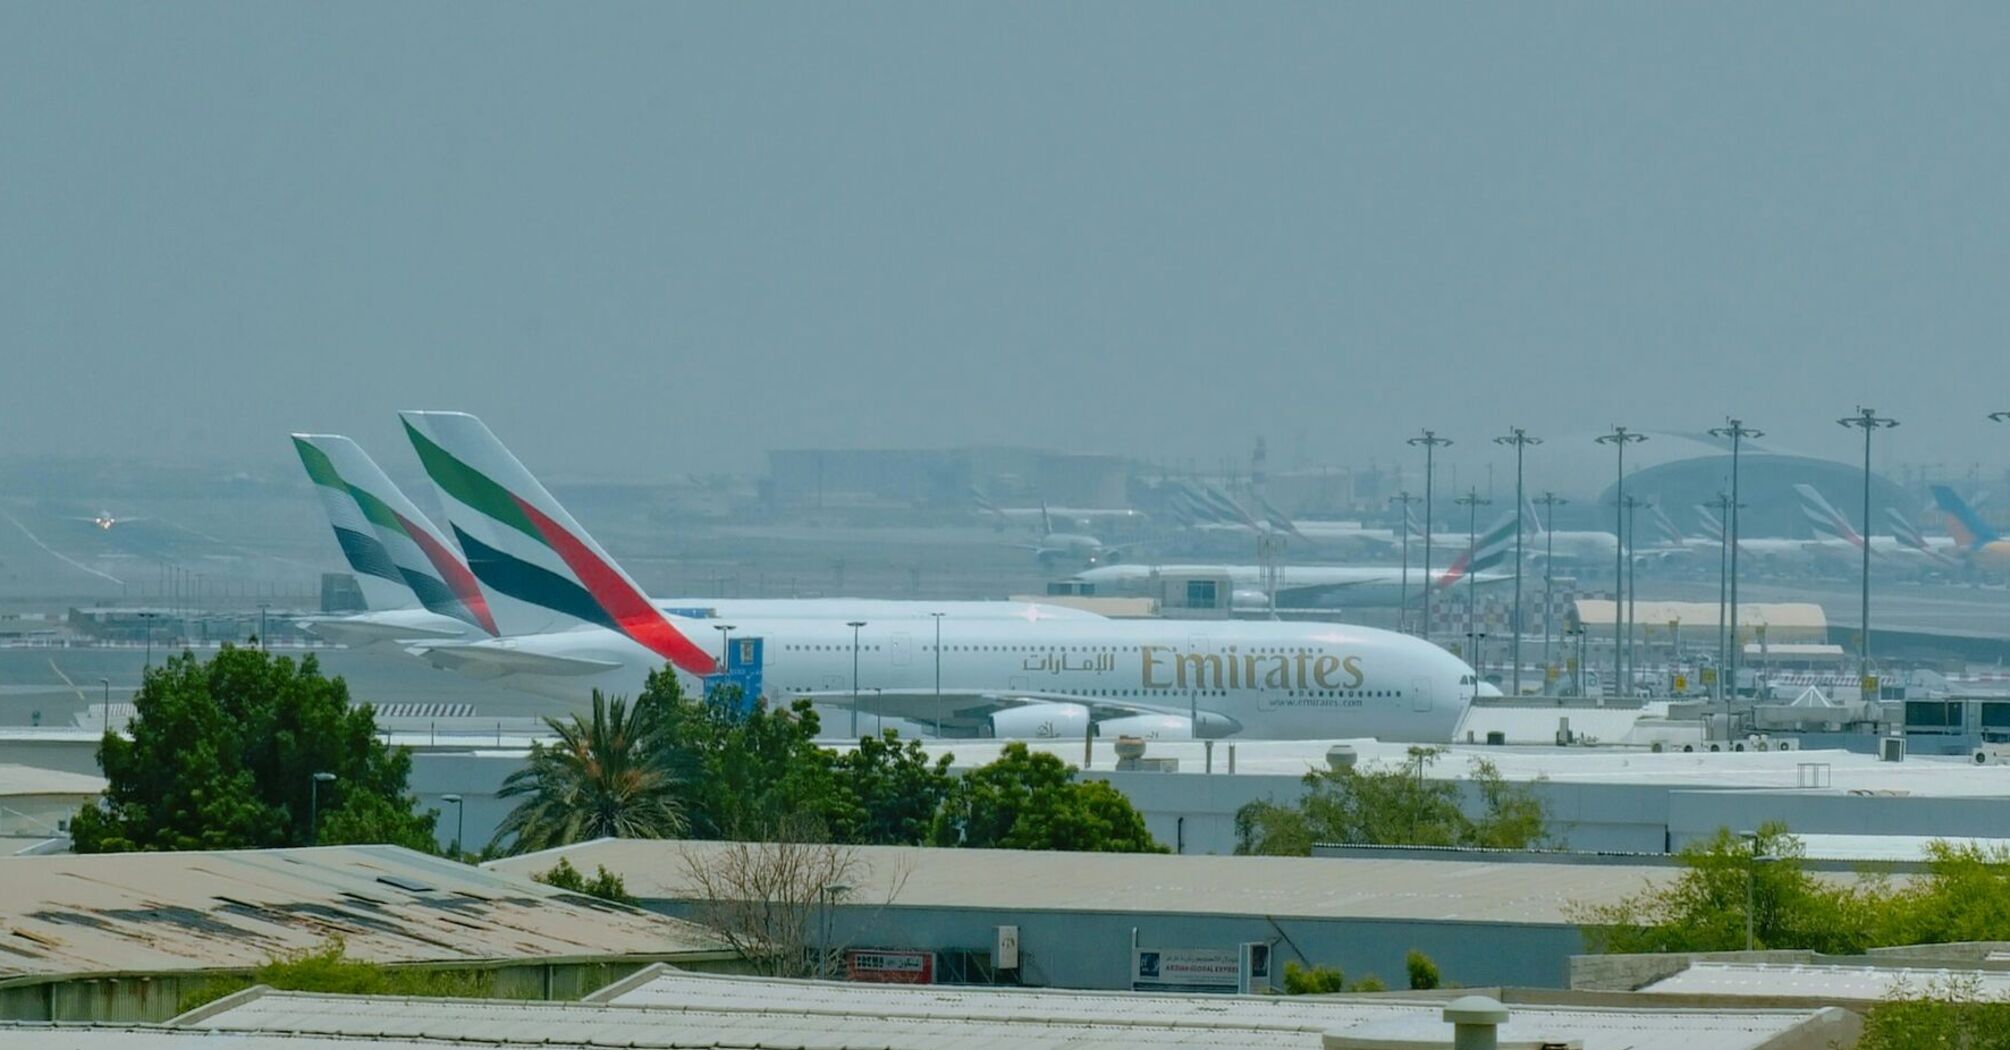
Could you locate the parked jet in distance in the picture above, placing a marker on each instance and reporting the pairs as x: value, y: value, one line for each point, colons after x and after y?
x: 1043, y: 516
x: 105, y: 520
x: 1296, y: 586
x: 1906, y: 545
x: 587, y: 625
x: 1975, y: 540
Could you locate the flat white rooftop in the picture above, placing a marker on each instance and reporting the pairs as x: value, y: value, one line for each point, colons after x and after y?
x: 673, y: 1009
x: 1839, y: 772
x: 1857, y: 983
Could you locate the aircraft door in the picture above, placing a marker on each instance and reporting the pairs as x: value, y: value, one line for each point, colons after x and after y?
x: 903, y: 649
x: 1420, y: 694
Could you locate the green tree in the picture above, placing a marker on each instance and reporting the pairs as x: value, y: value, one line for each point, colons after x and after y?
x: 1394, y: 807
x: 1312, y: 980
x: 744, y: 774
x: 1705, y: 907
x: 1423, y: 972
x: 604, y: 884
x: 893, y: 791
x: 599, y: 779
x: 221, y: 754
x: 1033, y: 801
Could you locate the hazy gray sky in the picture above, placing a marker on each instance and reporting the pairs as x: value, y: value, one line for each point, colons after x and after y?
x: 650, y: 239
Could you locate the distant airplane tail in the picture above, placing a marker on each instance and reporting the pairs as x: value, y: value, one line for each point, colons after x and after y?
x: 1488, y: 550
x: 1966, y: 526
x: 1670, y: 535
x: 377, y: 575
x: 542, y: 570
x: 1824, y: 518
x: 426, y: 560
x: 1713, y: 529
x: 986, y: 505
x: 1908, y: 535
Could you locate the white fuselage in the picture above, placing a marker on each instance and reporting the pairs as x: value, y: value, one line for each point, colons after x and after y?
x: 1266, y: 680
x: 413, y: 625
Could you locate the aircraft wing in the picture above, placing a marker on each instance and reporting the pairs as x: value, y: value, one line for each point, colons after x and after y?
x: 490, y: 660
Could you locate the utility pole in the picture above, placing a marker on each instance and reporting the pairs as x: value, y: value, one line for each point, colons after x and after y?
x: 1869, y: 422
x: 1549, y: 501
x: 854, y: 625
x: 1431, y: 442
x: 1404, y: 499
x: 1723, y: 506
x: 1632, y: 503
x: 1737, y: 431
x: 1473, y: 501
x: 1519, y: 438
x: 1619, y: 438
x: 938, y: 674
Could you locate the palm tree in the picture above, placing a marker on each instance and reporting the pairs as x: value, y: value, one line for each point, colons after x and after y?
x: 601, y: 779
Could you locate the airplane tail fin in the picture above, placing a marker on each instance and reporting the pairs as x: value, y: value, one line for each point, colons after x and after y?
x: 376, y: 574
x: 542, y: 570
x: 1966, y: 526
x: 1908, y: 535
x: 986, y: 505
x: 1665, y: 525
x: 426, y: 560
x: 1713, y: 529
x: 1489, y: 549
x: 1826, y: 520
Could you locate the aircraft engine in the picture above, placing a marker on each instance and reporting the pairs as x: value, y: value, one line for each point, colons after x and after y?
x: 1040, y: 722
x: 1167, y: 727
x: 1146, y: 727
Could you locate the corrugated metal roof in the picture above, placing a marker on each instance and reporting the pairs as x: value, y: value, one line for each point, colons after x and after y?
x: 175, y: 911
x: 1302, y: 887
x: 1859, y: 983
x: 737, y: 1012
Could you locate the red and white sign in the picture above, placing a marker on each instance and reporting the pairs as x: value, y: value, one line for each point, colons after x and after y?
x: 889, y: 966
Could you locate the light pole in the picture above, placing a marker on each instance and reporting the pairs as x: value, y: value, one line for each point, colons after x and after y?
x: 1633, y: 503
x: 1473, y: 501
x: 314, y: 805
x: 938, y: 673
x: 1549, y: 501
x: 1619, y: 438
x: 1431, y: 442
x: 1723, y: 505
x: 107, y: 683
x: 148, y: 619
x: 854, y: 625
x: 460, y: 824
x: 262, y: 606
x: 725, y: 643
x: 1737, y: 431
x: 826, y: 896
x: 1403, y: 499
x: 1870, y: 423
x: 1519, y: 438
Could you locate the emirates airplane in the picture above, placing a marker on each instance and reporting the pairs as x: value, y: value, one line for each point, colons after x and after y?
x: 573, y: 620
x: 418, y: 586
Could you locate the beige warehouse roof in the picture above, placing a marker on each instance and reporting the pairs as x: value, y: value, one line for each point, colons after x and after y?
x: 153, y: 912
x: 1305, y: 887
x: 1655, y: 615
